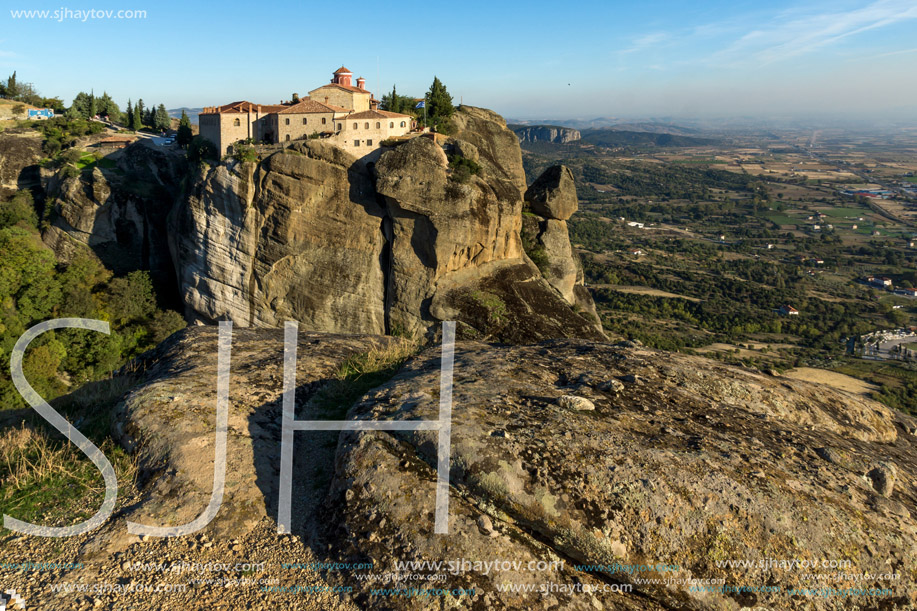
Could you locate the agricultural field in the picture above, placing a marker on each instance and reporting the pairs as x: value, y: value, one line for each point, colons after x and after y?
x: 734, y: 231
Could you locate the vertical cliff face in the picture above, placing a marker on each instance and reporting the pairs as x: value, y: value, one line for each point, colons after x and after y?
x: 312, y: 234
x: 298, y: 236
x: 20, y: 152
x: 119, y: 212
x: 547, y: 133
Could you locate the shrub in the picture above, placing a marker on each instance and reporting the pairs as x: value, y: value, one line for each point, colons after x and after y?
x: 20, y: 209
x: 242, y: 152
x: 463, y: 168
x: 201, y: 149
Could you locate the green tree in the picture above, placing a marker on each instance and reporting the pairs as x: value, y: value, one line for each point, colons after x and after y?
x: 55, y: 104
x: 140, y: 111
x: 11, y: 90
x: 439, y: 105
x: 84, y: 105
x: 185, y: 134
x: 131, y: 297
x: 107, y: 107
x: 136, y: 117
x: 394, y: 102
x: 19, y: 209
x: 161, y: 120
x: 201, y: 149
x: 129, y: 114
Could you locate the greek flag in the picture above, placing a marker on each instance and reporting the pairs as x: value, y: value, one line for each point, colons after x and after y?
x: 421, y: 104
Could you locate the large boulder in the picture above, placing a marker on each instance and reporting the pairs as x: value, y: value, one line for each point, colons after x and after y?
x: 553, y: 194
x: 119, y: 212
x: 619, y: 457
x: 20, y: 152
x: 440, y: 226
x: 296, y: 237
x: 579, y: 467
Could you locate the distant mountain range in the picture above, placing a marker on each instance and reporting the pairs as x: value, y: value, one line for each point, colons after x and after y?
x: 175, y: 113
x: 634, y: 134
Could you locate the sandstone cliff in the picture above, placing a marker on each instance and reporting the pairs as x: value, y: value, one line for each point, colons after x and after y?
x: 312, y: 234
x: 120, y: 212
x: 567, y: 451
x: 547, y: 133
x: 20, y: 152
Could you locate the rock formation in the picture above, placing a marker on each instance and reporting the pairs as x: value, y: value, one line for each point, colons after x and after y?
x: 20, y: 152
x: 551, y: 200
x: 119, y: 212
x: 313, y: 234
x: 547, y: 133
x: 568, y: 452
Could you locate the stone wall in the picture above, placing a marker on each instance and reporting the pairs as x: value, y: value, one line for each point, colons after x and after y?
x: 340, y: 97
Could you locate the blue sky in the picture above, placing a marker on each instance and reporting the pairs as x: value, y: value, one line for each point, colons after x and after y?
x: 523, y: 59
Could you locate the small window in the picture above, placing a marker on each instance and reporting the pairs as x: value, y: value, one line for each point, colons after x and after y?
x: 286, y: 121
x: 378, y: 125
x: 236, y: 123
x: 305, y: 121
x: 288, y: 137
x: 324, y: 120
x: 391, y: 124
x: 356, y: 143
x: 369, y: 143
x: 402, y: 124
x: 366, y: 126
x: 354, y: 125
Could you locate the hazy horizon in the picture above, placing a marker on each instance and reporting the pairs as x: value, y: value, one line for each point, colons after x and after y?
x: 840, y: 60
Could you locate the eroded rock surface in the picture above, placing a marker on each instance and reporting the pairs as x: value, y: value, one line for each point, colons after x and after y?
x: 20, y: 152
x: 344, y: 245
x: 684, y: 462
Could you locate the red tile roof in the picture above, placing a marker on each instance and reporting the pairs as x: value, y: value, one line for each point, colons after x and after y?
x: 308, y: 106
x: 375, y: 114
x: 339, y: 86
x: 245, y: 107
x: 342, y: 70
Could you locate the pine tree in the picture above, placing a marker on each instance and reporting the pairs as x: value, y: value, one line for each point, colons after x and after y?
x: 185, y: 135
x: 439, y: 104
x: 136, y: 123
x: 129, y: 114
x: 139, y: 111
x: 161, y: 120
x: 12, y: 88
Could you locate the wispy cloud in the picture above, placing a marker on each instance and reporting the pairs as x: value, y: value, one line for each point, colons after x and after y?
x: 647, y: 41
x: 792, y: 33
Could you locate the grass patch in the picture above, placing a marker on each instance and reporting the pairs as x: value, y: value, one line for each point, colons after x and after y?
x: 44, y: 478
x: 496, y: 308
x: 359, y: 374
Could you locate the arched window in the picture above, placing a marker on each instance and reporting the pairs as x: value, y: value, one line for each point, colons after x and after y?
x: 378, y: 125
x: 305, y: 121
x: 354, y: 125
x: 367, y: 125
x: 236, y: 123
x: 288, y: 137
x: 391, y: 124
x: 286, y: 121
x: 324, y: 120
x: 402, y: 124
